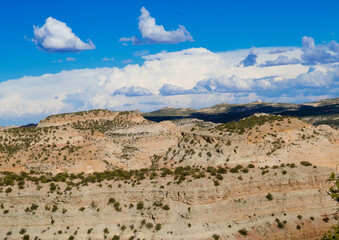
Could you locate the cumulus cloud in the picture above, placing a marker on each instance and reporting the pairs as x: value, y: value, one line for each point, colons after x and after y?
x: 56, y: 36
x: 133, y: 91
x: 281, y: 60
x: 251, y: 59
x: 154, y: 34
x: 319, y: 54
x: 193, y: 77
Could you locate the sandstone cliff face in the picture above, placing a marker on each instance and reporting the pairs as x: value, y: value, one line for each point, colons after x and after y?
x: 87, y: 143
x: 288, y: 140
x: 197, y: 208
x: 270, y: 200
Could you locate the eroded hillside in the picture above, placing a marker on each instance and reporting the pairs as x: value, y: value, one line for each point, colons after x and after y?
x: 282, y: 202
x: 115, y: 175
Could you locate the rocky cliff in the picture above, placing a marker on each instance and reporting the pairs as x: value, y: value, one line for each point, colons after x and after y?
x: 102, y: 174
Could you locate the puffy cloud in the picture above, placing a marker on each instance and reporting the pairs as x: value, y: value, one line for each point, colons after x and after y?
x: 56, y: 36
x: 281, y: 60
x: 133, y: 91
x: 319, y: 54
x: 193, y: 77
x: 153, y: 34
x: 251, y: 59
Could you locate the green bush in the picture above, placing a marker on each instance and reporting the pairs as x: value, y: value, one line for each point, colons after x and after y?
x: 269, y: 197
x: 166, y: 207
x: 243, y: 231
x: 149, y: 225
x: 158, y: 227
x: 140, y: 205
x: 215, y: 236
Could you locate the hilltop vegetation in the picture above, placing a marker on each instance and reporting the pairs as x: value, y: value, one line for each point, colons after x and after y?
x: 223, y: 113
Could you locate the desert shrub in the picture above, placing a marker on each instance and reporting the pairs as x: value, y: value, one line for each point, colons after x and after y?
x: 269, y: 197
x: 219, y: 177
x: 166, y: 207
x: 306, y: 163
x: 111, y: 201
x: 140, y: 205
x: 236, y: 169
x: 158, y: 227
x: 149, y: 225
x: 215, y: 236
x: 243, y: 231
x: 54, y: 208
x: 250, y: 165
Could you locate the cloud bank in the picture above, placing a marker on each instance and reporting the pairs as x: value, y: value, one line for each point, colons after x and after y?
x: 156, y: 34
x: 194, y: 77
x: 56, y: 36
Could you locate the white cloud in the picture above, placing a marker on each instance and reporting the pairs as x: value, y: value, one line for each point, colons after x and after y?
x: 127, y: 61
x: 56, y: 36
x: 153, y: 33
x: 133, y: 91
x: 107, y: 59
x: 193, y: 77
x: 319, y: 54
x: 70, y: 59
x: 281, y: 60
x: 250, y: 59
x: 141, y: 53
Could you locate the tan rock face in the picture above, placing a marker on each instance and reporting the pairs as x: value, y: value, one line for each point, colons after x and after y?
x: 101, y: 140
x: 197, y: 208
x: 87, y: 142
x: 272, y: 143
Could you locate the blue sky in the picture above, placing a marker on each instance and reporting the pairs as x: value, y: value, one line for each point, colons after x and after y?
x: 215, y: 25
x: 225, y: 29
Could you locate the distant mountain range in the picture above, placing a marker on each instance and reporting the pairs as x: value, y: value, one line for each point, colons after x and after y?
x: 321, y: 112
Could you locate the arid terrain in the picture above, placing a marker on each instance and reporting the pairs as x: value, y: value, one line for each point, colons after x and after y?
x: 116, y: 175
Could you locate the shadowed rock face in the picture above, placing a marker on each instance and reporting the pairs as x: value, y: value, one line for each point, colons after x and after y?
x: 290, y: 159
x: 322, y: 112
